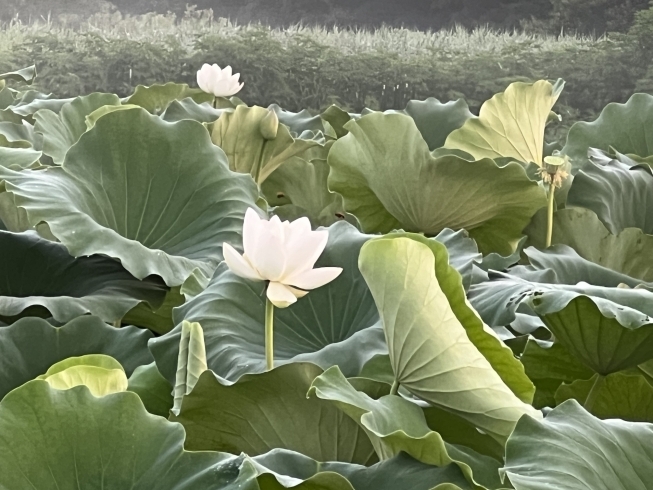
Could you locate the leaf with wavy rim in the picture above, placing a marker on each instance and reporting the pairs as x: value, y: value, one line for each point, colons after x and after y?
x: 41, y: 277
x: 29, y: 347
x: 62, y: 130
x: 71, y: 439
x: 624, y: 127
x: 157, y: 196
x: 270, y: 410
x: 389, y: 180
x: 573, y: 450
x: 511, y: 124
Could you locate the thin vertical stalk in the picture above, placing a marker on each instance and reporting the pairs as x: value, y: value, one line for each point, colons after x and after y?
x: 395, y: 387
x: 549, y: 227
x: 594, y: 393
x: 269, y: 334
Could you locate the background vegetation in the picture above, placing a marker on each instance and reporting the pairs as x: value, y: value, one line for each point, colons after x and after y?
x: 312, y: 67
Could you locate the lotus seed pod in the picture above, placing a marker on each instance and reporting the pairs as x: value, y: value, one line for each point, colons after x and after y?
x: 269, y: 125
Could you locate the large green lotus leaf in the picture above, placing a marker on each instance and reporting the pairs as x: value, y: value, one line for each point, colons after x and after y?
x: 620, y: 195
x: 239, y: 134
x: 26, y: 75
x: 486, y: 341
x: 157, y: 196
x: 187, y: 108
x: 394, y: 424
x: 624, y: 127
x: 18, y: 158
x: 624, y: 395
x: 629, y: 252
x: 298, y: 122
x: 41, y: 276
x: 603, y: 335
x: 270, y: 410
x: 430, y: 351
x: 574, y: 450
x: 334, y: 324
x: 500, y: 299
x: 571, y: 268
x: 101, y: 374
x: 402, y: 471
x: 390, y: 180
x: 71, y: 439
x: 549, y: 365
x: 29, y: 347
x: 153, y: 389
x: 61, y: 131
x: 511, y: 124
x: 31, y: 101
x: 302, y: 184
x: 436, y: 120
x: 17, y: 135
x: 157, y: 98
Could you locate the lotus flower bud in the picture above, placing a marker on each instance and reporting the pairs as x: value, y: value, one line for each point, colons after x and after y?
x: 269, y: 125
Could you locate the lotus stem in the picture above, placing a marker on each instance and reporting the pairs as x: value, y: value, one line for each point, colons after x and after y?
x: 594, y: 393
x: 269, y: 335
x: 215, y: 102
x: 549, y: 227
x: 395, y: 387
x: 118, y: 323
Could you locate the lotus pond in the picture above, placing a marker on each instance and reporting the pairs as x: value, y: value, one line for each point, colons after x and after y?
x: 418, y: 299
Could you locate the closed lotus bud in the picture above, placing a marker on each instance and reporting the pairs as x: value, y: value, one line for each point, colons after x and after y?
x: 269, y: 125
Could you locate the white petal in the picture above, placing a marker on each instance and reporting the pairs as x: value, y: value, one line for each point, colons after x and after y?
x: 203, y: 79
x: 226, y: 71
x: 314, y: 278
x: 267, y: 253
x: 238, y: 264
x: 251, y: 230
x: 303, y: 250
x: 280, y: 295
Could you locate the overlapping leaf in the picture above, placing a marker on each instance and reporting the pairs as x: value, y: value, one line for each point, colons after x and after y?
x: 390, y: 180
x: 270, y: 410
x: 40, y: 277
x: 430, y: 351
x: 157, y: 196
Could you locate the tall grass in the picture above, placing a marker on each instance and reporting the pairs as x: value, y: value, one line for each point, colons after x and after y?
x: 159, y: 28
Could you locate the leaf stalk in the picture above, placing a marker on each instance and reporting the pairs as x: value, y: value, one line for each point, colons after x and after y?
x: 269, y: 335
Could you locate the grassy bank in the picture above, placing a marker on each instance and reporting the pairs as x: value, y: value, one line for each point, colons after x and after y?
x: 311, y: 67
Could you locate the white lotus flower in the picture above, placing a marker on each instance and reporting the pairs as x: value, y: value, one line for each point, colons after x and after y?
x: 283, y: 253
x: 219, y: 82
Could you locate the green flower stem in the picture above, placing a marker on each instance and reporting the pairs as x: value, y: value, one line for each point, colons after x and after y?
x: 594, y: 393
x: 395, y: 387
x: 215, y: 102
x: 118, y: 323
x: 269, y: 334
x: 549, y: 228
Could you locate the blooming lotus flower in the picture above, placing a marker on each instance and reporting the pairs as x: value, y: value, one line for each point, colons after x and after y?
x: 218, y: 82
x: 283, y: 253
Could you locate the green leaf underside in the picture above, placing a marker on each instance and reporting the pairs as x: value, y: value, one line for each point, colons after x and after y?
x: 429, y: 349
